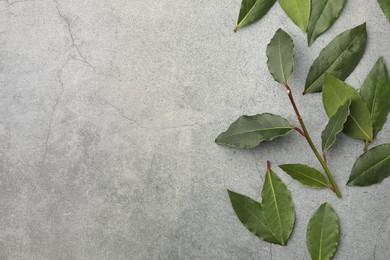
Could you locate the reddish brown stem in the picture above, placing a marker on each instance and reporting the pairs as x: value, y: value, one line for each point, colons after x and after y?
x: 299, y: 131
x: 311, y: 144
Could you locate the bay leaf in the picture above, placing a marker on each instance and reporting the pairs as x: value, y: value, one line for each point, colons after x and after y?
x: 250, y: 213
x: 278, y: 207
x: 322, y: 236
x: 298, y: 11
x: 385, y: 5
x: 335, y: 94
x: 375, y: 91
x: 306, y: 175
x: 371, y: 167
x: 323, y: 14
x: 339, y: 58
x: 280, y: 54
x: 252, y: 11
x: 335, y: 125
x: 250, y: 131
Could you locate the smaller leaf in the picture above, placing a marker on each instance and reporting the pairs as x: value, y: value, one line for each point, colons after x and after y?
x: 335, y: 126
x: 250, y: 213
x: 306, y: 175
x: 385, y: 5
x: 323, y: 15
x: 298, y: 11
x: 371, y: 167
x: 280, y: 53
x: 252, y: 11
x: 322, y: 236
x: 375, y: 91
x: 278, y: 207
x: 250, y: 131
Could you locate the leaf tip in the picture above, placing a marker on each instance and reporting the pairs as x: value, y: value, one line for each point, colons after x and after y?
x: 235, y: 28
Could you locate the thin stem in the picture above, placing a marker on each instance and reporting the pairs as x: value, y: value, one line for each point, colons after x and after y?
x: 366, y: 143
x: 311, y: 144
x: 299, y: 131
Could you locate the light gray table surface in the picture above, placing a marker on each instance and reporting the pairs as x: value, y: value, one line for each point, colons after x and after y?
x: 108, y: 114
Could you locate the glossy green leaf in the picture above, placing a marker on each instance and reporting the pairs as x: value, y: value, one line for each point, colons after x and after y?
x: 375, y: 91
x: 335, y: 125
x: 306, y: 175
x: 298, y: 11
x: 278, y: 207
x: 252, y: 10
x: 385, y: 5
x: 335, y: 94
x: 250, y: 131
x: 323, y: 14
x: 322, y: 236
x: 371, y: 167
x: 280, y: 54
x: 250, y: 213
x: 339, y: 58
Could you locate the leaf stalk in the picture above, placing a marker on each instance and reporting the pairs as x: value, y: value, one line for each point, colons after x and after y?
x: 311, y: 144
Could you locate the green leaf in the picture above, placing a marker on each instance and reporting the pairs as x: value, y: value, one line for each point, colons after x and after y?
x: 250, y: 213
x: 278, y: 207
x: 375, y: 91
x: 280, y: 53
x: 252, y: 10
x: 335, y: 94
x: 322, y: 236
x: 323, y: 15
x: 339, y: 58
x: 298, y: 11
x: 306, y: 175
x: 250, y: 131
x: 371, y: 167
x: 335, y: 125
x: 385, y: 5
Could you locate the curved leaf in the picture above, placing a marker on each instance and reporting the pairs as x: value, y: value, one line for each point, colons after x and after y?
x: 250, y: 213
x: 278, y: 207
x: 250, y: 131
x: 306, y: 175
x: 298, y: 11
x: 335, y: 94
x: 335, y: 126
x: 323, y: 15
x: 371, y: 167
x: 280, y: 53
x: 252, y: 10
x: 385, y: 5
x: 375, y: 91
x: 322, y: 236
x: 339, y: 58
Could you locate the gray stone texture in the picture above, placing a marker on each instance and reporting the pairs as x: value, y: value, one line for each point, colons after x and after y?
x: 108, y: 114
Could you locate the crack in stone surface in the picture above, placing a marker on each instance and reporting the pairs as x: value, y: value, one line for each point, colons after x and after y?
x: 377, y: 235
x: 73, y: 44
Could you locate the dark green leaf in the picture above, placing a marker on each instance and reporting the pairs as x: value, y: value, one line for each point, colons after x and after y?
x: 323, y: 15
x: 322, y: 236
x: 250, y: 213
x: 250, y: 131
x: 252, y: 10
x: 371, y: 167
x: 335, y: 125
x: 335, y: 94
x: 298, y: 11
x: 278, y: 207
x: 280, y: 53
x: 385, y: 5
x: 339, y: 58
x: 375, y: 91
x: 306, y: 175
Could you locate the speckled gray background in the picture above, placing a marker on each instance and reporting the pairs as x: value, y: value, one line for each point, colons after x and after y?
x: 108, y: 112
